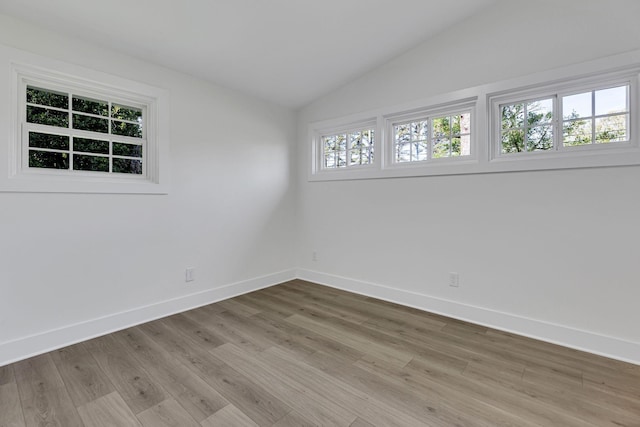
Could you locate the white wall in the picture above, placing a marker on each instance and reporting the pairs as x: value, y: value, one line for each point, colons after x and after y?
x: 73, y: 265
x: 549, y: 254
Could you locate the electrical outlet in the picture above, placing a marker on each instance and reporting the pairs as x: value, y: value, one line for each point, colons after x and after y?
x: 314, y: 256
x: 190, y: 275
x: 454, y: 280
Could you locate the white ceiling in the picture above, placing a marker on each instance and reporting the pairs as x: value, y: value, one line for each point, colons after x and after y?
x: 286, y: 51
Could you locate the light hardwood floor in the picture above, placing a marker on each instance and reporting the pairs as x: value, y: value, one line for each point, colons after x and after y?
x: 301, y: 354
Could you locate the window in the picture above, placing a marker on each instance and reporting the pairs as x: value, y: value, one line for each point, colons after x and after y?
x: 80, y: 130
x: 580, y: 116
x: 566, y: 120
x: 348, y: 149
x: 432, y: 138
x: 527, y: 126
x: 69, y: 132
x: 595, y: 117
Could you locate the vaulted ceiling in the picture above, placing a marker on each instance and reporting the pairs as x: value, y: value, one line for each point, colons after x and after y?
x: 286, y: 51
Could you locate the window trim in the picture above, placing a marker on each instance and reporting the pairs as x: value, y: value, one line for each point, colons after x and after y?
x: 50, y: 74
x: 449, y: 109
x: 556, y: 91
x: 593, y: 74
x: 317, y: 134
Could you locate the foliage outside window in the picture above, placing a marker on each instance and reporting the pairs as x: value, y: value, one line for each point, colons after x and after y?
x: 348, y: 149
x: 590, y: 117
x: 72, y: 132
x: 595, y: 117
x: 432, y: 138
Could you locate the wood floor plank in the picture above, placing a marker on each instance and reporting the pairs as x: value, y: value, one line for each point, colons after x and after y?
x: 10, y: 407
x: 359, y: 422
x: 44, y: 397
x: 300, y: 354
x: 235, y: 306
x: 363, y: 405
x: 600, y: 411
x: 294, y: 419
x: 166, y: 414
x: 352, y: 339
x: 210, y: 320
x: 315, y: 406
x: 6, y: 374
x: 107, y: 411
x: 188, y: 389
x: 138, y: 389
x: 253, y: 399
x: 81, y: 374
x: 500, y: 397
x: 229, y: 416
x: 197, y: 330
x: 310, y: 339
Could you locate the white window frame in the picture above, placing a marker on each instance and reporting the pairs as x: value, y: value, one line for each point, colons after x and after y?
x: 484, y: 104
x: 318, y: 159
x: 556, y: 92
x: 467, y: 106
x: 44, y: 73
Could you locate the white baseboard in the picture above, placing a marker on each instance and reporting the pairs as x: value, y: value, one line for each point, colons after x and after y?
x: 44, y: 342
x: 614, y: 348
x: 607, y: 346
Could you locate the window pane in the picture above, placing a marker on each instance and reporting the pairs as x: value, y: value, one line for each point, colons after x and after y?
x: 539, y: 138
x: 89, y: 123
x: 91, y: 106
x: 403, y: 152
x: 402, y: 133
x: 441, y: 148
x: 456, y: 146
x: 341, y: 142
x: 441, y: 127
x: 90, y: 163
x: 45, y: 140
x: 611, y: 129
x: 512, y: 116
x: 341, y: 158
x: 420, y: 151
x: 465, y: 123
x: 44, y: 116
x: 419, y: 131
x: 47, y: 97
x: 609, y: 101
x: 127, y: 166
x: 513, y: 141
x: 48, y: 160
x: 123, y: 112
x: 126, y: 129
x: 355, y: 140
x: 577, y: 132
x: 367, y: 138
x: 330, y: 160
x: 130, y: 150
x: 329, y: 143
x: 575, y: 106
x: 90, y: 146
x: 539, y: 111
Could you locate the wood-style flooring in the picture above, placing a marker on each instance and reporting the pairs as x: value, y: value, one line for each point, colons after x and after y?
x: 301, y: 354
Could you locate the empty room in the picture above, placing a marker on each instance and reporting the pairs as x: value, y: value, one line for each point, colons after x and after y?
x: 319, y: 213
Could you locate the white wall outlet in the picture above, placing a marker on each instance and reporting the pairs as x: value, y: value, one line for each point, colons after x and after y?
x: 454, y: 280
x: 190, y: 275
x: 314, y: 256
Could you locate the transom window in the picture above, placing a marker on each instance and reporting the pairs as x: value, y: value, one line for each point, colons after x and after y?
x: 527, y: 126
x: 596, y: 117
x: 348, y: 149
x: 68, y: 131
x: 432, y: 138
x: 565, y: 121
